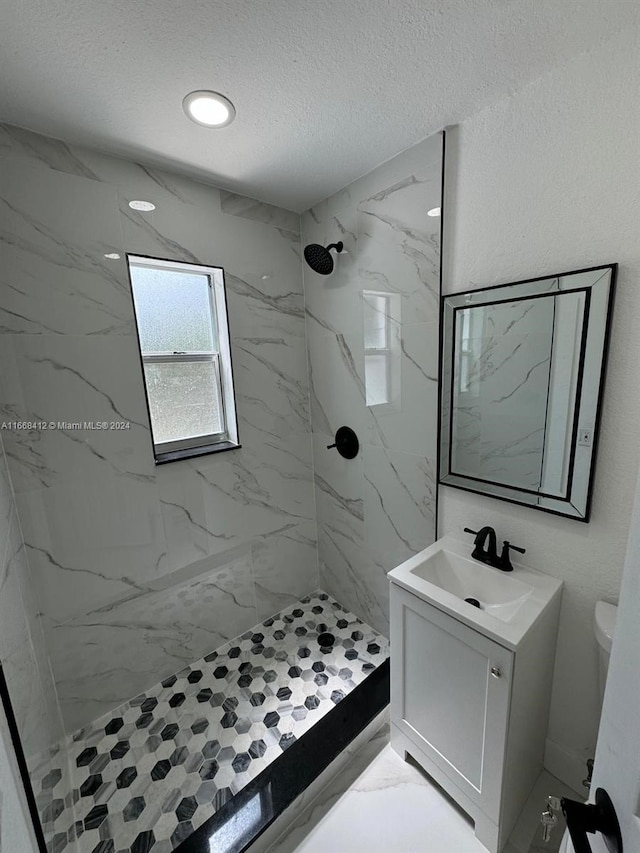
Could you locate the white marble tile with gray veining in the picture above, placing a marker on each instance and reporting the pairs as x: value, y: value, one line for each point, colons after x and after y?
x: 27, y: 698
x: 499, y: 425
x: 466, y: 430
x: 285, y: 567
x: 22, y: 648
x: 214, y: 503
x: 406, y: 422
x: 14, y: 628
x: 270, y: 373
x: 88, y: 542
x: 399, y: 249
x: 6, y: 503
x: 399, y: 505
x: 83, y: 383
x: 531, y: 316
x: 35, y: 627
x: 57, y: 228
x: 181, y: 490
x: 258, y: 254
x: 335, y: 301
x: 259, y: 302
x: 342, y: 556
x: 345, y: 561
x: 249, y: 208
x: 514, y: 460
x: 311, y: 807
x: 421, y: 162
x: 33, y: 148
x: 339, y: 487
x: 25, y: 664
x: 336, y: 379
x: 262, y: 487
x: 360, y: 580
x: 102, y: 524
x: 391, y: 249
x: 381, y: 804
x: 168, y: 628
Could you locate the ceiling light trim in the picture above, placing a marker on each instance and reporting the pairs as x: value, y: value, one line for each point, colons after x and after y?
x: 142, y: 206
x: 195, y: 101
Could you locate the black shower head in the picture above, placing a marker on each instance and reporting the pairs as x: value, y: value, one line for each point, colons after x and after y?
x: 319, y: 258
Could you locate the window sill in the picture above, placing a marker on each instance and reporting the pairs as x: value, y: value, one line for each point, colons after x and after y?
x: 190, y: 452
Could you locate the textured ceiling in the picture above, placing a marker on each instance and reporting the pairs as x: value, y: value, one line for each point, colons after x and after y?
x: 324, y: 90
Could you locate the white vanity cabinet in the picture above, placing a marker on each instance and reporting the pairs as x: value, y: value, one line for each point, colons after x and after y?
x: 471, y: 711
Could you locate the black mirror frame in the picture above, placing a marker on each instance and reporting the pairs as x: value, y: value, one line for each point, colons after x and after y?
x: 512, y: 494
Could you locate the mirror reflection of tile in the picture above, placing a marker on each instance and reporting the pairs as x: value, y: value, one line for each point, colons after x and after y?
x: 522, y: 375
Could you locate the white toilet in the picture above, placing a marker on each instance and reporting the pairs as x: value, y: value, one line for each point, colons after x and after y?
x: 604, y: 623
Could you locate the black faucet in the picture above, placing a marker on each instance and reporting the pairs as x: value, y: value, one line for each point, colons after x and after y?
x: 490, y: 555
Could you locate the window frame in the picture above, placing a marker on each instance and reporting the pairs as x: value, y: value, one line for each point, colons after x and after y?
x: 227, y: 439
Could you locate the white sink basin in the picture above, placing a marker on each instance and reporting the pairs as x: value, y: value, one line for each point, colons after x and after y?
x: 444, y: 574
x: 498, y: 593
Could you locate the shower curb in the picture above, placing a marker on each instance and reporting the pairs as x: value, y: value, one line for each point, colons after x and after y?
x: 284, y: 780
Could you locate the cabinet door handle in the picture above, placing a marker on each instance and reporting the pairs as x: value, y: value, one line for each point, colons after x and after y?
x: 496, y: 672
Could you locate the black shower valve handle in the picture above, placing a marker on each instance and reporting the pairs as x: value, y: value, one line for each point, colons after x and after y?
x: 346, y: 443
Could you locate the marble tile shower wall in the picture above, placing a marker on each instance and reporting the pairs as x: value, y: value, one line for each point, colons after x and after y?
x: 378, y: 509
x: 139, y: 569
x: 23, y: 654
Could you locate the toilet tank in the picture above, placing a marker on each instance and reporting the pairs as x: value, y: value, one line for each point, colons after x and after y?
x: 604, y: 623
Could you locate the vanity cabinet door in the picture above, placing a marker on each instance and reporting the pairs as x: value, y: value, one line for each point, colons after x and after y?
x: 450, y: 693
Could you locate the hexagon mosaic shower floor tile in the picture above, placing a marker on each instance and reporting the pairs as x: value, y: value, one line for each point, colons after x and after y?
x: 149, y: 773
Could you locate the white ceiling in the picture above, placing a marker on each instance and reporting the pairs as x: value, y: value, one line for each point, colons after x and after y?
x: 324, y: 90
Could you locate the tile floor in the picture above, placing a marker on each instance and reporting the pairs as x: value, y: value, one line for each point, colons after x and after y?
x: 148, y: 774
x: 383, y: 804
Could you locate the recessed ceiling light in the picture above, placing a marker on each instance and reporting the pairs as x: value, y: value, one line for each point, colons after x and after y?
x: 210, y: 109
x: 112, y: 256
x: 142, y: 205
x: 435, y: 211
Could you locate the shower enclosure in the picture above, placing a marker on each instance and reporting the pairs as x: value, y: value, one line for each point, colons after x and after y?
x: 152, y: 685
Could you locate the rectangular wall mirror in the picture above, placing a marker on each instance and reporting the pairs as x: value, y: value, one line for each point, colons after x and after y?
x: 521, y: 387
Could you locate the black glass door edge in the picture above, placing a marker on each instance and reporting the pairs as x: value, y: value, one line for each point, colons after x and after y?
x: 22, y: 763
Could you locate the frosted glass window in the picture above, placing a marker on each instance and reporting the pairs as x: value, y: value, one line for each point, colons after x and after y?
x: 184, y: 345
x: 184, y: 399
x: 175, y: 311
